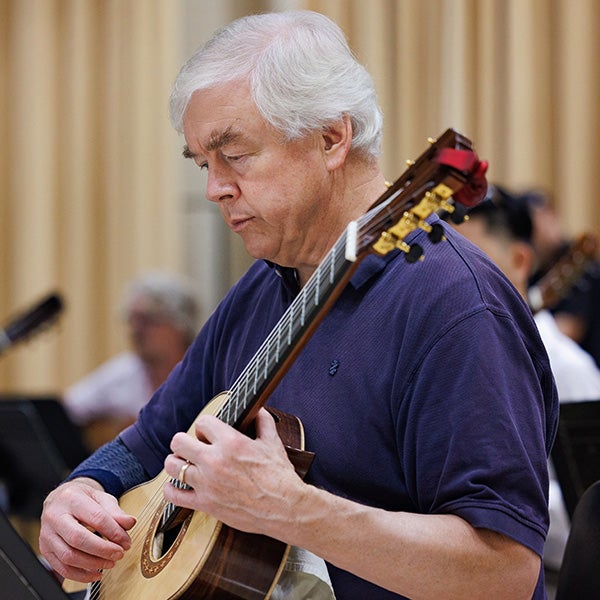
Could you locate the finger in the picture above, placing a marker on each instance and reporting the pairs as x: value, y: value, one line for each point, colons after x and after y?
x: 96, y: 511
x: 183, y: 446
x: 72, y: 556
x: 210, y: 429
x: 70, y: 572
x: 72, y: 562
x: 106, y: 517
x: 266, y: 428
x: 86, y: 543
x: 110, y: 504
x: 185, y: 498
x: 177, y: 468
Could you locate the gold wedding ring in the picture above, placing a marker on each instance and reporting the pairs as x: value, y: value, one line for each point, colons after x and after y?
x: 181, y: 477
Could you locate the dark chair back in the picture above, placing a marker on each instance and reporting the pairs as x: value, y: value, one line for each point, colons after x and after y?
x: 579, y: 575
x: 22, y: 575
x: 576, y: 450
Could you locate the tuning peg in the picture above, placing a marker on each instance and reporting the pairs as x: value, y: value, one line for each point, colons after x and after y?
x: 414, y: 253
x: 436, y: 233
x: 431, y: 140
x: 459, y: 214
x: 409, y: 162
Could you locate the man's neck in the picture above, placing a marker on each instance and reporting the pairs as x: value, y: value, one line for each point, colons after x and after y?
x: 356, y: 200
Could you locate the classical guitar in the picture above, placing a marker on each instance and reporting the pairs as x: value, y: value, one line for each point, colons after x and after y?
x: 179, y: 553
x: 31, y: 320
x: 565, y: 273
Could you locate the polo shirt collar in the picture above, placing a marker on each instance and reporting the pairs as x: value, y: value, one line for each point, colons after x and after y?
x: 370, y: 267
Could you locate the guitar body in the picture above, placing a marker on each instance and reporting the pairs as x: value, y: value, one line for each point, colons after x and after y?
x: 204, y: 558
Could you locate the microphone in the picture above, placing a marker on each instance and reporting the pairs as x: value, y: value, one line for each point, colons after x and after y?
x: 31, y: 320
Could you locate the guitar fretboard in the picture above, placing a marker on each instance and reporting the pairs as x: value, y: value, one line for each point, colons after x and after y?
x: 286, y: 335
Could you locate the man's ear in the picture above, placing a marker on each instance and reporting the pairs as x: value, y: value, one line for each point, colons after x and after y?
x: 522, y: 259
x: 337, y: 140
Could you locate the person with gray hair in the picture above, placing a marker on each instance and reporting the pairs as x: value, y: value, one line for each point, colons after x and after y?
x: 168, y: 296
x: 425, y: 392
x: 302, y: 76
x: 162, y: 314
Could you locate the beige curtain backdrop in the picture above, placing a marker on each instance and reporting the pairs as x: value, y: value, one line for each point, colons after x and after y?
x: 91, y: 186
x: 86, y: 172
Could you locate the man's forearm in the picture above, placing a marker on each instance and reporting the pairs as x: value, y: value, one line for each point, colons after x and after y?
x: 419, y: 556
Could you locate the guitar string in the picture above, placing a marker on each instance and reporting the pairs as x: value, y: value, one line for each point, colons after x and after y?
x: 139, y: 533
x: 332, y: 262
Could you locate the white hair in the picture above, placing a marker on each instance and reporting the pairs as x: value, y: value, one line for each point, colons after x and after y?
x: 302, y: 75
x: 171, y: 296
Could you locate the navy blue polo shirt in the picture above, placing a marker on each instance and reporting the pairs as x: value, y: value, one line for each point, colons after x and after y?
x: 425, y: 389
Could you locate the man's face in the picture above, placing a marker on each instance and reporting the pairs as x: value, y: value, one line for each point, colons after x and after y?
x: 513, y: 258
x: 271, y: 192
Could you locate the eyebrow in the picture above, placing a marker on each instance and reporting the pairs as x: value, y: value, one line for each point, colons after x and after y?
x: 217, y: 140
x: 187, y: 153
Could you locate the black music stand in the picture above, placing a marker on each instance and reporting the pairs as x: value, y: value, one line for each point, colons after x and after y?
x: 576, y: 450
x: 22, y: 575
x: 39, y: 446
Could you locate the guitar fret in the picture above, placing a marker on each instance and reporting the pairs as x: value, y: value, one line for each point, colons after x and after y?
x: 292, y: 323
x: 266, y: 371
x: 303, y: 314
x: 278, y: 348
x: 255, y: 380
x: 332, y: 271
x: 224, y: 413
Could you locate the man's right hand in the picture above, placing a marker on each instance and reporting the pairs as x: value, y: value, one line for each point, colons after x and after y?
x: 83, y: 530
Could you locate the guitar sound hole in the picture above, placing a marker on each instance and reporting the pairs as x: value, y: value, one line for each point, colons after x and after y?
x: 174, y: 520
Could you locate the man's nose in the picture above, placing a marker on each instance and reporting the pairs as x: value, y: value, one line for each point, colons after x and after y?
x: 220, y: 184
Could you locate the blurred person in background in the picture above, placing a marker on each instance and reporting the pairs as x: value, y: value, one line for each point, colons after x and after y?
x: 162, y: 314
x: 577, y: 314
x: 502, y: 227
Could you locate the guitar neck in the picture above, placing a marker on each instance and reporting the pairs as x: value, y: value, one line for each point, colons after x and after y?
x: 564, y: 274
x: 272, y: 360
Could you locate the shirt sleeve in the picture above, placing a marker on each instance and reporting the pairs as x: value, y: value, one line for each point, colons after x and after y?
x: 114, y: 466
x: 475, y: 437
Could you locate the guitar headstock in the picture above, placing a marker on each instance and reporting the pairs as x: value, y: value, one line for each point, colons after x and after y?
x: 446, y: 174
x: 565, y: 273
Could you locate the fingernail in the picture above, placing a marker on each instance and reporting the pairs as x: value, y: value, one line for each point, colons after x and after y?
x: 117, y: 555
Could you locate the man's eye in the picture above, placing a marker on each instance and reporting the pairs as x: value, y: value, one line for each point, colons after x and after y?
x: 203, y: 166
